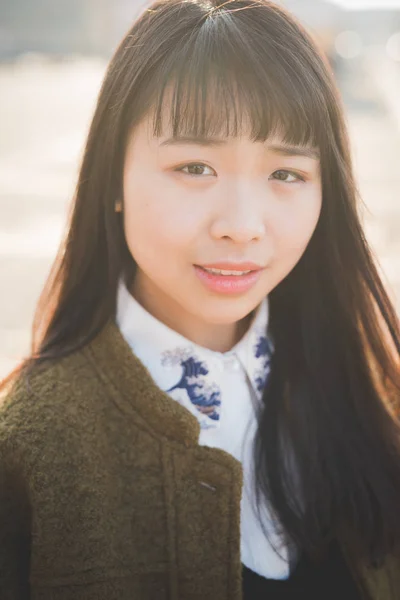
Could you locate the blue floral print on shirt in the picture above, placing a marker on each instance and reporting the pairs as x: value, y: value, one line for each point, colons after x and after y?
x: 204, y: 396
x: 262, y: 351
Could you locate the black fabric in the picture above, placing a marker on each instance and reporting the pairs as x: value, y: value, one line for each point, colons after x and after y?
x: 328, y: 579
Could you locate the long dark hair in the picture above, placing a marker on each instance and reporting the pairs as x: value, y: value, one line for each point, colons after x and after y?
x: 332, y: 397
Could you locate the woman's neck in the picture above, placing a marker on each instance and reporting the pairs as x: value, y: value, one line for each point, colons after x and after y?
x: 215, y: 337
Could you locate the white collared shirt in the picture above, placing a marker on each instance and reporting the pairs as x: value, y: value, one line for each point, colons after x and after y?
x: 223, y: 391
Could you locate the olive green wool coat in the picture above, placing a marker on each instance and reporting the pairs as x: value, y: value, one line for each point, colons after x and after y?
x: 105, y: 493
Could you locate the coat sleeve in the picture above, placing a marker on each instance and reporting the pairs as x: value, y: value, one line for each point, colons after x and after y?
x: 14, y: 529
x: 384, y: 582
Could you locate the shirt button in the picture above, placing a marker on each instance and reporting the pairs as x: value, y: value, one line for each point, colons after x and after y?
x: 232, y: 363
x: 217, y: 364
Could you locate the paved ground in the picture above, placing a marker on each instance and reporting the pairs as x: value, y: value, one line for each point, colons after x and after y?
x: 375, y: 135
x: 45, y: 109
x: 45, y: 112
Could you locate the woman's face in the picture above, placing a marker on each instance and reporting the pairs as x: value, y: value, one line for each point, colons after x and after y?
x: 223, y: 202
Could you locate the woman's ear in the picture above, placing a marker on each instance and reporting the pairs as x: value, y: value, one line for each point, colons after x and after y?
x: 118, y: 206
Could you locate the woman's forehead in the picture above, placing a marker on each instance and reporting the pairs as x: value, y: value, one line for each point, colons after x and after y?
x: 204, y: 116
x: 276, y: 142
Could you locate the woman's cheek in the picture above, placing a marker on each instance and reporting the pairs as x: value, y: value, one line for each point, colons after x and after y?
x: 154, y: 223
x: 296, y: 227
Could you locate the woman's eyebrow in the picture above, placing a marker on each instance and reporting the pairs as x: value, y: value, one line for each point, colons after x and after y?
x: 281, y: 149
x: 284, y: 150
x: 183, y: 140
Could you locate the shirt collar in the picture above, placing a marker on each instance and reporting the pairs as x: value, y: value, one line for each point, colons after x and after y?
x: 185, y: 369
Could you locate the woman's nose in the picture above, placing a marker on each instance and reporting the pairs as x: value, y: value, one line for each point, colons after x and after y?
x: 241, y: 217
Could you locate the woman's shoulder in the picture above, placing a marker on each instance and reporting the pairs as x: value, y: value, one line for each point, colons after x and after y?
x: 43, y: 402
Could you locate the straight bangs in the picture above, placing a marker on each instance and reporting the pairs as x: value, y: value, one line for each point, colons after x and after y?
x: 224, y: 81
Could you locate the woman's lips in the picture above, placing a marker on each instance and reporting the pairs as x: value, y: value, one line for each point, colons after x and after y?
x: 232, y: 266
x: 229, y: 284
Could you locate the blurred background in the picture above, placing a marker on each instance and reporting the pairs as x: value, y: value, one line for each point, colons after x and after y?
x: 52, y: 59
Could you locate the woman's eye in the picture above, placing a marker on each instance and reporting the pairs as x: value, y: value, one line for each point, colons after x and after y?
x: 196, y: 169
x: 286, y: 176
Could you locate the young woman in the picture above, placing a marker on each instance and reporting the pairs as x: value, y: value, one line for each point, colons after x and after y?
x: 210, y: 408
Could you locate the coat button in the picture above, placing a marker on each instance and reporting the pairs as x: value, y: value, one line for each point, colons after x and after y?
x: 208, y: 486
